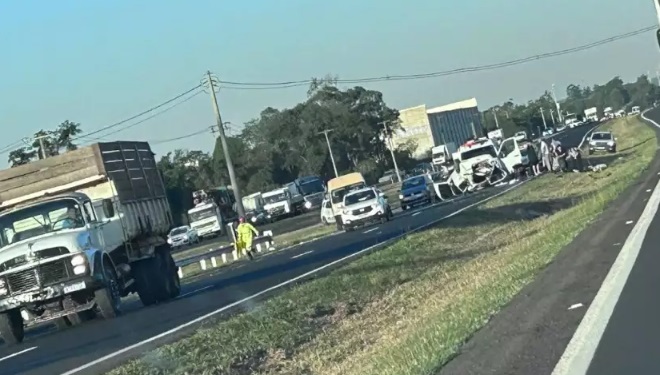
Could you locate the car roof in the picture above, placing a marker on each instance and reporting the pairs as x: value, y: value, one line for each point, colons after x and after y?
x: 601, y: 133
x: 359, y: 191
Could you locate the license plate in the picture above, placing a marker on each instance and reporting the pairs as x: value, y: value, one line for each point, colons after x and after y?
x: 74, y: 287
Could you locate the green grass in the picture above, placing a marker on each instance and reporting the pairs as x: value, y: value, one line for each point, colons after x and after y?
x: 408, y: 308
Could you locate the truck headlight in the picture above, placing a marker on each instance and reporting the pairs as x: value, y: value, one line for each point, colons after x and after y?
x: 400, y: 196
x: 308, y: 205
x: 79, y: 270
x: 254, y: 219
x: 78, y: 260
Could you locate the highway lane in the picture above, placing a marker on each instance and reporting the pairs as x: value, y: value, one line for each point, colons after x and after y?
x: 47, y: 352
x: 58, y: 352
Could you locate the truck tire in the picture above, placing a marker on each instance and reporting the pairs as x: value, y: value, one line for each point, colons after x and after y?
x: 170, y: 271
x: 108, y: 299
x: 142, y: 273
x: 80, y: 317
x: 11, y: 327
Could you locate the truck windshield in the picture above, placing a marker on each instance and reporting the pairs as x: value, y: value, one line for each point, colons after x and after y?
x: 275, y: 198
x: 473, y: 153
x: 338, y: 194
x: 201, y: 215
x: 362, y: 196
x: 39, y: 219
x: 312, y: 187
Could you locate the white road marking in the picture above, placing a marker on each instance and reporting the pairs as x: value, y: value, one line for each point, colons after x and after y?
x: 370, y: 230
x: 196, y: 291
x: 575, y: 306
x: 581, y: 349
x: 302, y: 254
x: 416, y: 213
x: 18, y: 353
x: 278, y: 286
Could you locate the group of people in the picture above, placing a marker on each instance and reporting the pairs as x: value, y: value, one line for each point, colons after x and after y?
x: 553, y: 157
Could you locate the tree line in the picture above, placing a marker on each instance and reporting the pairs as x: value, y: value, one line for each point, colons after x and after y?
x: 281, y: 145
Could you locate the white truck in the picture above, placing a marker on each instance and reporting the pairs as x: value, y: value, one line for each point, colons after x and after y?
x: 206, y: 218
x: 279, y: 203
x: 442, y: 154
x: 79, y: 231
x: 591, y: 114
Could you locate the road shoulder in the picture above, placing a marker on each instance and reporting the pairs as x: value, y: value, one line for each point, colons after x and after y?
x: 531, y: 333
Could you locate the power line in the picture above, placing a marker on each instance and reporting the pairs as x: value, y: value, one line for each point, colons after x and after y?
x: 155, y: 142
x: 89, y: 139
x: 139, y: 114
x: 234, y: 85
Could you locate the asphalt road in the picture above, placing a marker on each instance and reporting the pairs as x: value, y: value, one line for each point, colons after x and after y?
x: 92, y: 348
x: 531, y: 334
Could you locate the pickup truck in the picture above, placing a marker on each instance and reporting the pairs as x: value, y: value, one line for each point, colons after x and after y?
x: 79, y: 231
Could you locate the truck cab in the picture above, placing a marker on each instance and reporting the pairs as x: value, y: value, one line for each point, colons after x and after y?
x: 77, y: 234
x: 278, y: 203
x: 206, y: 219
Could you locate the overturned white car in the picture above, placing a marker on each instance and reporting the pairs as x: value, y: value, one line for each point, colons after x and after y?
x: 481, y: 163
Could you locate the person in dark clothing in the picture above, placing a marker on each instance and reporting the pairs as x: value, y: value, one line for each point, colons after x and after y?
x: 560, y: 154
x: 574, y: 160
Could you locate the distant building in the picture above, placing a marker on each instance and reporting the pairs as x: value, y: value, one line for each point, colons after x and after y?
x: 454, y: 122
x: 415, y: 127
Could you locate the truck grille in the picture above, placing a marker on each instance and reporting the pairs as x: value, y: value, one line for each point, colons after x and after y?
x: 362, y: 210
x: 34, y: 278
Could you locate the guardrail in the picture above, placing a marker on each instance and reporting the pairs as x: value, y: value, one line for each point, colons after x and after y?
x: 226, y: 253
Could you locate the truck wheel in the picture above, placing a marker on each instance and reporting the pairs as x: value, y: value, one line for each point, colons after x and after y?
x: 144, y: 283
x: 108, y: 299
x: 79, y: 318
x: 172, y: 280
x: 11, y: 327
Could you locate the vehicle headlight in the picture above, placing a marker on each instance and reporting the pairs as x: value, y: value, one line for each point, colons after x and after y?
x: 610, y: 143
x: 400, y: 196
x: 78, y: 260
x: 254, y: 219
x: 308, y: 205
x: 3, y: 283
x: 79, y: 270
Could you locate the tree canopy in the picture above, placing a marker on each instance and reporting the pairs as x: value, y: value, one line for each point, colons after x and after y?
x: 54, y: 141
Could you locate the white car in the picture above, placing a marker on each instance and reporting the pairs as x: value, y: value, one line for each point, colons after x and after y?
x: 182, y: 236
x: 365, y: 206
x: 327, y: 216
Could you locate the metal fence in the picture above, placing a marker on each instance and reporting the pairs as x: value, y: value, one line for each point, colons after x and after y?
x: 226, y: 254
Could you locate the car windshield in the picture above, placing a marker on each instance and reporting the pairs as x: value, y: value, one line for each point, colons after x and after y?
x: 312, y: 187
x: 203, y: 214
x: 275, y: 198
x: 178, y: 231
x: 338, y: 194
x: 39, y: 219
x: 601, y: 136
x: 473, y: 153
x: 358, y: 197
x: 412, y: 183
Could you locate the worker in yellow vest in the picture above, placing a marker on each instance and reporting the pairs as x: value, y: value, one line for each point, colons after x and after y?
x: 245, y: 232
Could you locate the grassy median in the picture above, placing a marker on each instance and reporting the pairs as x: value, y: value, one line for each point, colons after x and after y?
x: 408, y: 308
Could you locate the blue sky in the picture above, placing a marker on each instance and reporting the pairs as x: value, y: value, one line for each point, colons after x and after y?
x: 98, y: 62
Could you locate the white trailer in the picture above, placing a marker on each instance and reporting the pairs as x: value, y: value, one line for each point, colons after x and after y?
x: 78, y: 232
x: 591, y: 114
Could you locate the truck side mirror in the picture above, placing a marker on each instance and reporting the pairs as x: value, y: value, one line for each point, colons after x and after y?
x: 108, y: 208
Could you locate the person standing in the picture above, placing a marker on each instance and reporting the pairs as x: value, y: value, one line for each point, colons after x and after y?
x: 560, y: 155
x: 546, y: 155
x: 245, y: 232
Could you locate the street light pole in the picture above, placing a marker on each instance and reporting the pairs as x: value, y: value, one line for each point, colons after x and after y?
x: 225, y: 149
x: 554, y: 97
x: 332, y: 158
x: 396, y: 167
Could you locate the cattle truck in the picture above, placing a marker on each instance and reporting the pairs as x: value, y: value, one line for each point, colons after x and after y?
x: 79, y: 231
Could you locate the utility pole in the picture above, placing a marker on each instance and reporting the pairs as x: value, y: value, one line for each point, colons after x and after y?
x: 41, y: 145
x: 552, y: 114
x: 543, y: 118
x: 497, y: 123
x: 396, y: 167
x: 332, y: 158
x: 554, y: 97
x: 225, y: 149
x: 474, y: 130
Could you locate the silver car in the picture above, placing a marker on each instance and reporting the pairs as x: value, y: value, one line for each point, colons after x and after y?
x: 182, y: 236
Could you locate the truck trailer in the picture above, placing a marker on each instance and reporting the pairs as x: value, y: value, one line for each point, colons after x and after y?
x: 79, y: 231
